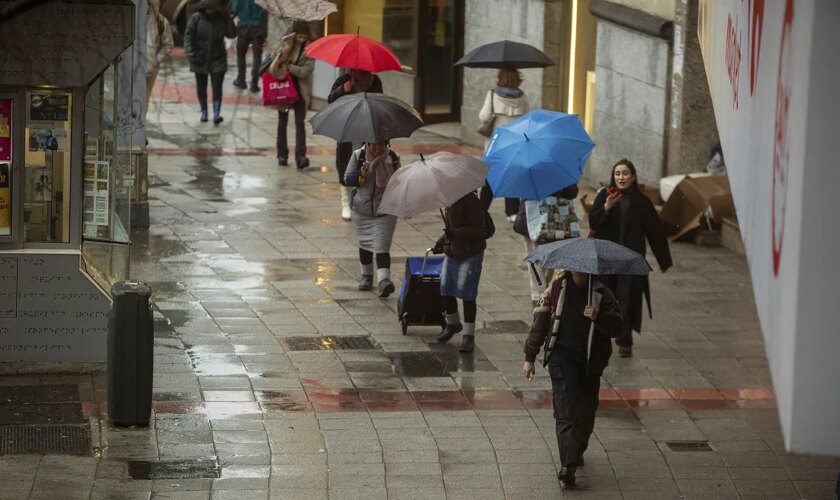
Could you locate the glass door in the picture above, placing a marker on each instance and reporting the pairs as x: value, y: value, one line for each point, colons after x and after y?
x: 440, y: 45
x: 7, y: 109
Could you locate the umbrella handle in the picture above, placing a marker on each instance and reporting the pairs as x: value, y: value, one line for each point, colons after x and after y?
x: 536, y: 274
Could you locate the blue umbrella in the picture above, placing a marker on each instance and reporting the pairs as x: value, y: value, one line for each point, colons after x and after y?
x: 537, y: 155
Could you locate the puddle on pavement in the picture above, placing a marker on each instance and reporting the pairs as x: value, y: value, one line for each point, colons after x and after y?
x: 214, y: 364
x: 438, y: 363
x: 178, y: 469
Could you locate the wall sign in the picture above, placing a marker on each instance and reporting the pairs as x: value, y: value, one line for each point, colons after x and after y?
x: 49, y: 107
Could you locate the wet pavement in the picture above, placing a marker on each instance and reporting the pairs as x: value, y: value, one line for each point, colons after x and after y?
x: 276, y: 378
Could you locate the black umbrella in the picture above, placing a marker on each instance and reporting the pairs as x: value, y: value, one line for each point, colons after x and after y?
x: 589, y: 255
x: 363, y: 117
x: 505, y: 53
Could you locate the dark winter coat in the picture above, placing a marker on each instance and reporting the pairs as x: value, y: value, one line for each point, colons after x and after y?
x: 631, y: 222
x: 608, y: 324
x: 464, y: 236
x: 343, y: 150
x: 204, y: 41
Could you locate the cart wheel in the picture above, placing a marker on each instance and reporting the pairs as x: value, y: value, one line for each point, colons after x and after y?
x: 404, y: 325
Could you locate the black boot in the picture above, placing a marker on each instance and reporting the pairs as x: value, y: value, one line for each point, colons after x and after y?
x: 467, y: 344
x: 449, y: 331
x: 567, y: 475
x: 366, y: 283
x: 240, y: 82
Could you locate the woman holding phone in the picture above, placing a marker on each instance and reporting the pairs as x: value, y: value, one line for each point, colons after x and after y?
x: 624, y: 215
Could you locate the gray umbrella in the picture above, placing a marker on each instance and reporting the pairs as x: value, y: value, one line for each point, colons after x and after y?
x: 505, y: 53
x: 589, y: 255
x: 363, y: 117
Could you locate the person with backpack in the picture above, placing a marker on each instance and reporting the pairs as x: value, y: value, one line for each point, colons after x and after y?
x: 573, y: 306
x: 464, y: 239
x: 368, y: 172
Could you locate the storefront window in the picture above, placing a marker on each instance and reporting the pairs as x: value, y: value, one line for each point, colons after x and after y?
x: 46, y: 206
x: 6, y: 123
x: 390, y: 22
x: 106, y: 180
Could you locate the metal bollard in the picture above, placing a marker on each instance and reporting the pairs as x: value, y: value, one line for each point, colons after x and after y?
x: 130, y: 354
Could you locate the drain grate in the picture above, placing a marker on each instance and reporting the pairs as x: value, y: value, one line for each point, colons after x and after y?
x: 506, y: 326
x: 327, y: 343
x: 35, y: 414
x: 688, y: 446
x: 45, y: 439
x: 37, y: 394
x: 202, y: 468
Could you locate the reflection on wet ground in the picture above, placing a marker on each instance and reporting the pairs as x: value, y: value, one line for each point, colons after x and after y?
x: 439, y: 363
x: 176, y: 469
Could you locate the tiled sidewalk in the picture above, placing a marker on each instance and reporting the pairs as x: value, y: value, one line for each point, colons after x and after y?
x: 254, y: 280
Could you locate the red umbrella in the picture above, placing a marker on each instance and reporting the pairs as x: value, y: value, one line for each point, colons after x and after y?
x: 354, y: 51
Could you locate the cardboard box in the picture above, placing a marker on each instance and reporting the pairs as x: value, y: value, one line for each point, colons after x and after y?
x: 652, y: 192
x: 692, y: 199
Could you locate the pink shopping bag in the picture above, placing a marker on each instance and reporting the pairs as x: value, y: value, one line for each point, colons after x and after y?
x: 278, y: 92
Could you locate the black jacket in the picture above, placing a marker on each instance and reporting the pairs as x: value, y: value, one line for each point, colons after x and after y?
x: 465, y: 232
x: 608, y: 323
x: 632, y: 222
x: 204, y: 41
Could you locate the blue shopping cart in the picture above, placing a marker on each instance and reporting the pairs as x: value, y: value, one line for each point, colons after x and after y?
x: 419, y: 302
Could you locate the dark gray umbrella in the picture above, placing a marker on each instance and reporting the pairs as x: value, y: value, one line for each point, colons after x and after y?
x: 505, y: 53
x: 589, y: 255
x: 363, y: 117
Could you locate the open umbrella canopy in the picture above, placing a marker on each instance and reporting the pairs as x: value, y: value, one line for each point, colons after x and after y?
x: 434, y: 182
x: 305, y: 10
x: 537, y: 155
x: 363, y: 117
x: 589, y: 255
x: 354, y: 51
x: 505, y: 53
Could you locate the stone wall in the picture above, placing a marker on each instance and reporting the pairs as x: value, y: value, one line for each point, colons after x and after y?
x: 693, y: 128
x: 490, y: 21
x: 632, y: 76
x: 660, y: 8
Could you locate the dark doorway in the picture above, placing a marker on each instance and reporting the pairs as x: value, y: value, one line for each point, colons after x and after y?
x: 440, y: 42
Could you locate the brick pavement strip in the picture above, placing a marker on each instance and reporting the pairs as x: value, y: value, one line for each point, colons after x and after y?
x: 244, y: 256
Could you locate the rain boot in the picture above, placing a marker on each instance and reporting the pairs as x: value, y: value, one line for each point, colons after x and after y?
x: 453, y: 326
x: 366, y: 282
x: 468, y: 339
x: 386, y: 286
x: 203, y: 117
x: 217, y: 112
x: 345, y: 202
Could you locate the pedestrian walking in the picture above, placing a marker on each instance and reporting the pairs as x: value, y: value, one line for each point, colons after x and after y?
x: 538, y: 276
x: 566, y: 311
x: 501, y: 105
x: 159, y: 44
x: 463, y: 243
x: 624, y: 215
x: 368, y: 171
x: 204, y: 42
x: 292, y: 62
x: 251, y: 32
x: 354, y: 81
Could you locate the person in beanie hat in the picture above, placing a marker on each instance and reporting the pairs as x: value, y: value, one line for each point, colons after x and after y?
x: 204, y: 42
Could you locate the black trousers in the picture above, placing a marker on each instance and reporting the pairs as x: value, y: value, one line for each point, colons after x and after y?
x: 575, y: 403
x: 216, y: 80
x: 253, y: 36
x: 343, y: 153
x: 299, y: 109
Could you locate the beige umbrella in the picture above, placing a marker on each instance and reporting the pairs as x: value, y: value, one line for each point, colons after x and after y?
x: 306, y: 10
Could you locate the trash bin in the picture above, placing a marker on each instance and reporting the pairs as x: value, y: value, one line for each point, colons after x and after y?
x: 130, y: 354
